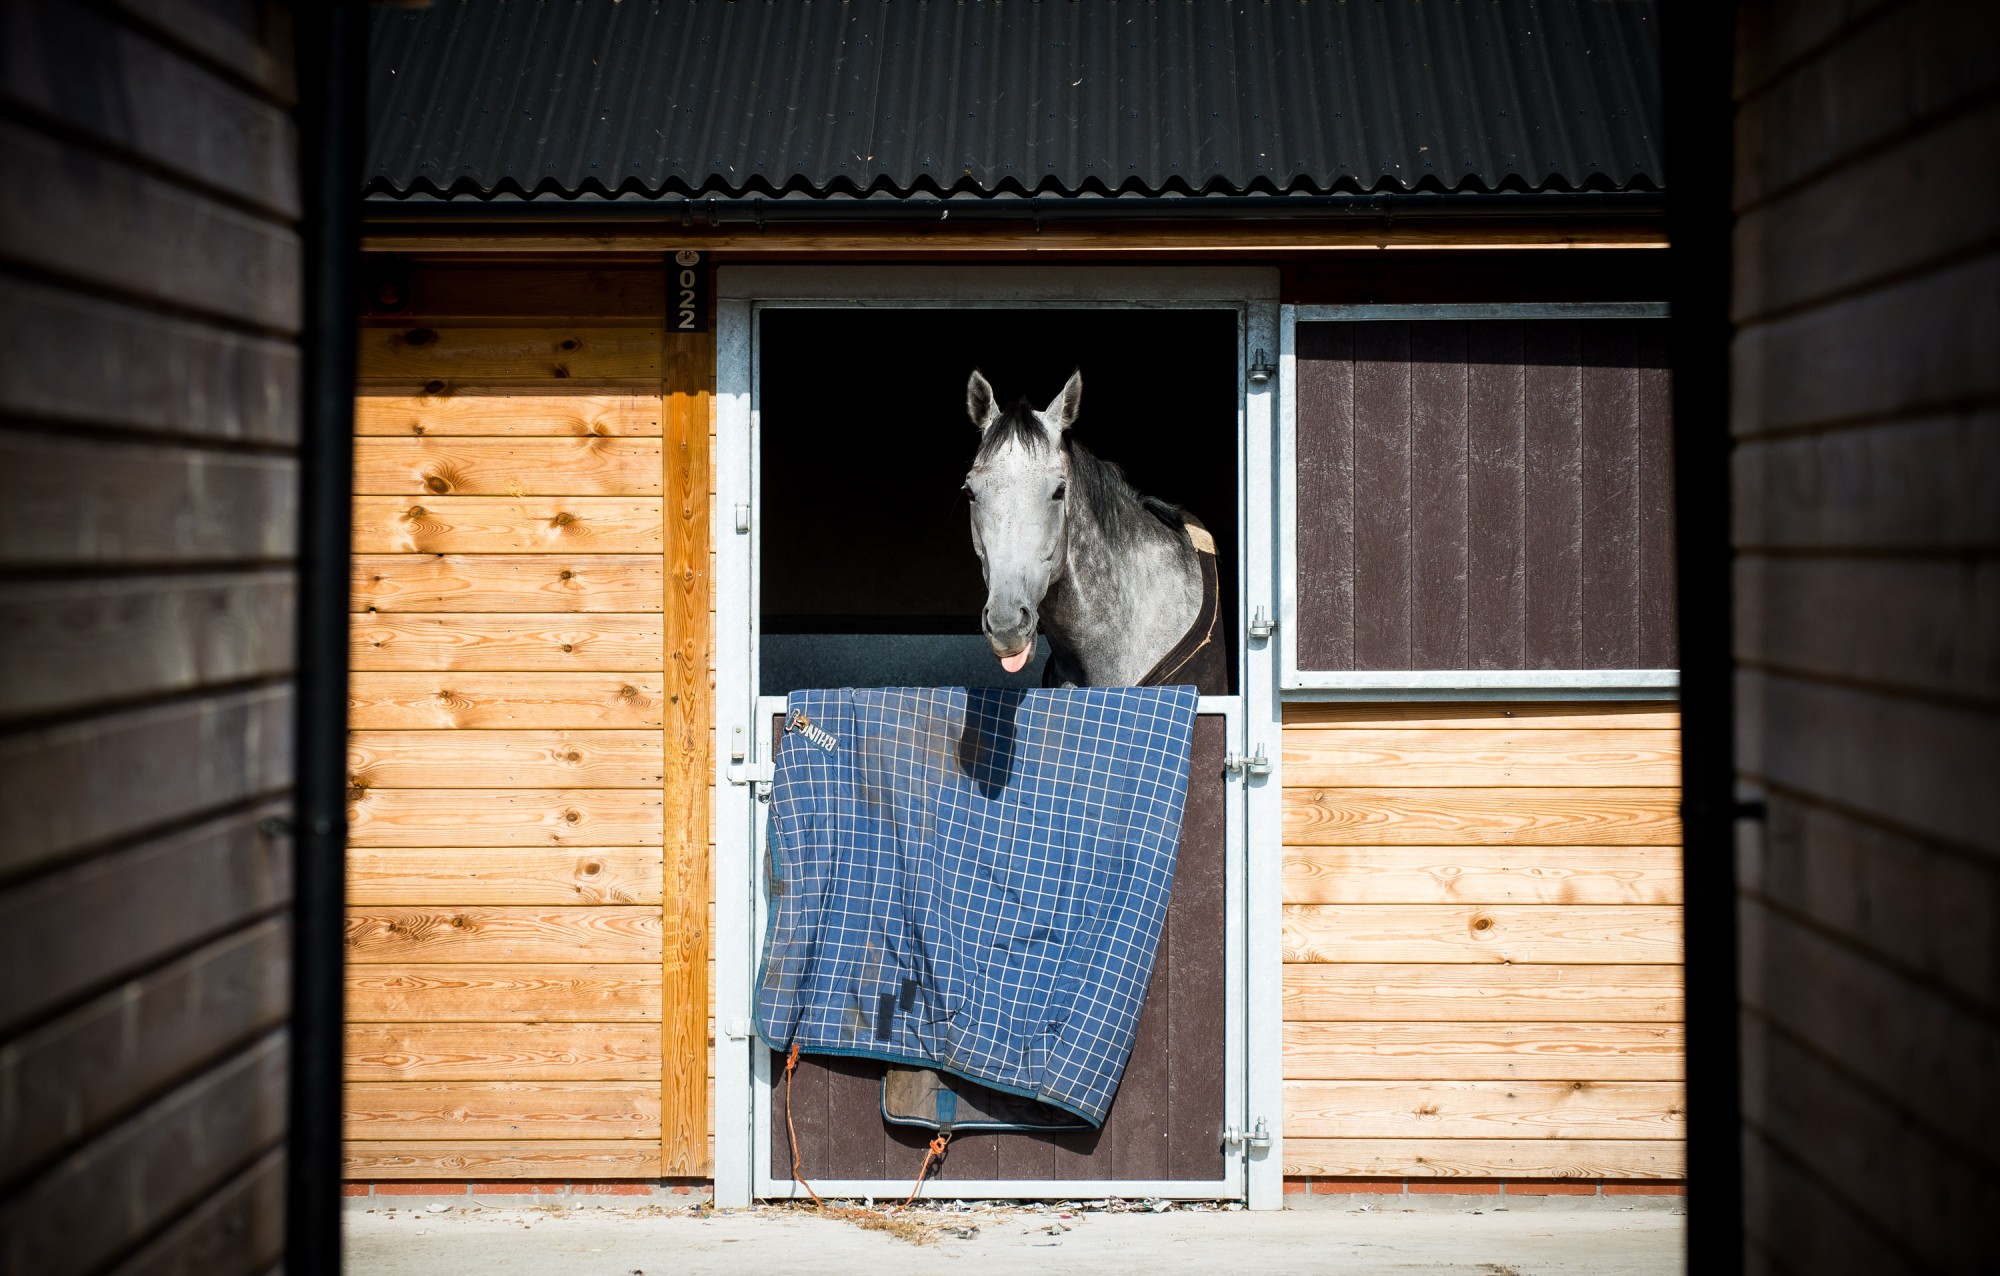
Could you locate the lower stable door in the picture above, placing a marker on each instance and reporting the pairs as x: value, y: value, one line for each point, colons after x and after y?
x: 1168, y: 1131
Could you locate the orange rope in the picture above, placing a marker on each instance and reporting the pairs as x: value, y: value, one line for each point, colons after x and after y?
x: 792, y: 1062
x: 935, y: 1151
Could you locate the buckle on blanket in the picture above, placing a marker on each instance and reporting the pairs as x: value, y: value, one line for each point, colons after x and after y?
x: 799, y: 722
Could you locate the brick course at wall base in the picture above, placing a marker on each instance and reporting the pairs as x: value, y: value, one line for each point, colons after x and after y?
x: 688, y: 1188
x: 683, y: 1191
x: 1478, y: 1187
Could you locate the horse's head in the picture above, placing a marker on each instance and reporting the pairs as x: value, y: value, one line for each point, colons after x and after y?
x: 1017, y: 486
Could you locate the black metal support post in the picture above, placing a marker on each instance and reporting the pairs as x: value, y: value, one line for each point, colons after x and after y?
x: 1698, y: 52
x: 332, y: 38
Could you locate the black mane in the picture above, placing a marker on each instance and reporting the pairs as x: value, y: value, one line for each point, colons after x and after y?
x: 1018, y: 424
x: 1100, y: 484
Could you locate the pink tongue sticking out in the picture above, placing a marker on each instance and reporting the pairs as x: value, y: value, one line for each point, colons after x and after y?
x: 1019, y: 660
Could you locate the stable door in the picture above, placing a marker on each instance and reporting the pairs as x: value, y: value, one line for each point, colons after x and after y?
x: 844, y: 558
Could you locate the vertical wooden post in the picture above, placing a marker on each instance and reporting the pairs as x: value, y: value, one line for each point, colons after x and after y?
x: 688, y: 390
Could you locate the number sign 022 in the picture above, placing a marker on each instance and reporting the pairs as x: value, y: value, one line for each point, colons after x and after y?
x: 687, y: 292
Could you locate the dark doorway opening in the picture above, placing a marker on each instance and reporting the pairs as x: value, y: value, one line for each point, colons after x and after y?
x: 868, y: 577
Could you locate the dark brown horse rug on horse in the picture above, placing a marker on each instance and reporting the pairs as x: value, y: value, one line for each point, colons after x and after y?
x: 1200, y: 659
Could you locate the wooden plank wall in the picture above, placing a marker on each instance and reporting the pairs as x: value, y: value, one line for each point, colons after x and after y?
x: 1492, y: 494
x: 1482, y: 941
x: 149, y: 421
x: 1867, y: 521
x: 528, y: 908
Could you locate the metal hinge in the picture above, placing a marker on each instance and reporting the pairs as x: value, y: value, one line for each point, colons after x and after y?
x: 744, y: 769
x: 1258, y: 1136
x: 1256, y: 764
x: 1261, y: 625
x: 758, y: 773
x: 752, y: 772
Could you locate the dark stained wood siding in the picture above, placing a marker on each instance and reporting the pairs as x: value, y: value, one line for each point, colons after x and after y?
x: 1484, y: 494
x: 149, y: 417
x: 1866, y: 495
x: 1166, y: 1122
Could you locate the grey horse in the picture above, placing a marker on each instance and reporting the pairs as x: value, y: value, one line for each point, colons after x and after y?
x: 1122, y: 584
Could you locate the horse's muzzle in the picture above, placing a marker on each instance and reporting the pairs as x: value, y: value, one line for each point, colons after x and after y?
x: 1013, y: 641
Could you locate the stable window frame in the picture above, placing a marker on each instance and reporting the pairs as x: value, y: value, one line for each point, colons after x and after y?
x: 1254, y: 1040
x: 1395, y: 685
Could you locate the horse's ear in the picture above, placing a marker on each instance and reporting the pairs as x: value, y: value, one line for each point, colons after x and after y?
x: 979, y: 403
x: 1062, y: 410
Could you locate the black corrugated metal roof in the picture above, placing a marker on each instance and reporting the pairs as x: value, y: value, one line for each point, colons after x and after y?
x: 484, y: 98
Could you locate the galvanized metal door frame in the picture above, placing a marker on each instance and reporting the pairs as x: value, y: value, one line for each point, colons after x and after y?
x: 1428, y: 684
x: 742, y: 1080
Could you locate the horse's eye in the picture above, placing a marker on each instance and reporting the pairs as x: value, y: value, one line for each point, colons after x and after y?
x: 966, y: 488
x: 1062, y: 490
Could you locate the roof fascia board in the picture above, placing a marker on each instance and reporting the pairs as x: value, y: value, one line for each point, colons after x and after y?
x: 1152, y: 240
x: 714, y: 212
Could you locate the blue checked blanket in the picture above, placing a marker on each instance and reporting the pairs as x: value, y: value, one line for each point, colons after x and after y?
x: 974, y: 881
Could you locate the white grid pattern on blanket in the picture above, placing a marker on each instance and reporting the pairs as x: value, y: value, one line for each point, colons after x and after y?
x: 975, y: 879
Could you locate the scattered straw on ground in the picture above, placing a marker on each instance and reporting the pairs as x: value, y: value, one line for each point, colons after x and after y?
x: 916, y: 1229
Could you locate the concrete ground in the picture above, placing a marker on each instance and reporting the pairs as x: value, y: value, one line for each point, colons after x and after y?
x: 425, y: 1239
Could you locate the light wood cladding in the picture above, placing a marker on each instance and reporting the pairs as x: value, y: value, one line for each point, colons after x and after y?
x: 505, y: 759
x: 1572, y: 1051
x: 1511, y: 1159
x: 504, y: 817
x: 1482, y: 875
x: 1486, y: 1110
x: 1549, y: 715
x: 584, y: 933
x: 509, y: 701
x: 519, y: 513
x: 519, y: 1158
x: 507, y: 467
x: 1482, y: 938
x: 506, y: 525
x: 504, y: 875
x: 1401, y: 757
x: 524, y: 643
x: 498, y: 415
x: 552, y: 1051
x: 503, y: 1110
x: 503, y: 992
x: 425, y: 355
x: 1371, y: 991
x: 686, y: 1071
x: 1510, y: 934
x: 466, y: 583
x: 1481, y: 817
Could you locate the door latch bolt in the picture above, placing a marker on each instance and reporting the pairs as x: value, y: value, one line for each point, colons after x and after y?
x: 1257, y: 763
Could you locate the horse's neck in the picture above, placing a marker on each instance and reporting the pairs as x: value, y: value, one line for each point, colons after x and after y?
x: 1120, y: 605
